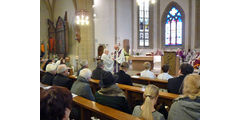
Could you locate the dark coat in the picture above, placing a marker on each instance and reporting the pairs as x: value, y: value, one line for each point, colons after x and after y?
x: 82, y: 88
x: 174, y: 84
x: 47, y: 78
x: 124, y: 78
x: 97, y: 74
x: 64, y: 81
x: 117, y: 102
x: 185, y: 109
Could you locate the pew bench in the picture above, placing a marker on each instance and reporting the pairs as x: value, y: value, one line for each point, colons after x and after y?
x: 145, y: 81
x: 135, y: 94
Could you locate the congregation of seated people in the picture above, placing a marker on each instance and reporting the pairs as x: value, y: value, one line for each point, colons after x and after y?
x: 186, y: 107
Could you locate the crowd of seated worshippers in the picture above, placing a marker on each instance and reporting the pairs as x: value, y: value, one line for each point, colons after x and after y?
x: 111, y: 95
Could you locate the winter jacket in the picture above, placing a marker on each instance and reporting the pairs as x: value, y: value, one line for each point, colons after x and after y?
x: 47, y: 78
x: 64, y: 81
x: 174, y: 84
x: 124, y: 78
x: 82, y: 88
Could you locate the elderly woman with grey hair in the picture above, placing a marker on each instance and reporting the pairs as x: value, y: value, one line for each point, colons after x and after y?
x: 81, y: 86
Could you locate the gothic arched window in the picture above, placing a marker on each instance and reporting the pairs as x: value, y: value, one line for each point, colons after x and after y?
x: 143, y: 23
x: 173, y: 27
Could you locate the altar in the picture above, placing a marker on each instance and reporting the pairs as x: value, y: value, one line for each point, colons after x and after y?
x: 137, y: 62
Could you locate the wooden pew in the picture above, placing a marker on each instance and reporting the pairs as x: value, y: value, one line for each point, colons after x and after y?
x: 90, y: 109
x: 135, y: 94
x: 146, y: 81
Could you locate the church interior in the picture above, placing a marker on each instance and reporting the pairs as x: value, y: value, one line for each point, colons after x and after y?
x: 120, y: 59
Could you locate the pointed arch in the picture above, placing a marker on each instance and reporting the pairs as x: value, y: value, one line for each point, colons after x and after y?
x: 173, y: 26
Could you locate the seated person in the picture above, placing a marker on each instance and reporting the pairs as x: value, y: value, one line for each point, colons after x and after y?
x: 164, y: 75
x: 97, y: 73
x: 55, y: 103
x: 81, y: 86
x: 175, y: 84
x: 124, y: 78
x: 111, y: 95
x: 84, y: 64
x: 147, y: 110
x: 49, y: 75
x: 107, y: 61
x: 61, y: 79
x: 147, y: 72
x: 187, y: 107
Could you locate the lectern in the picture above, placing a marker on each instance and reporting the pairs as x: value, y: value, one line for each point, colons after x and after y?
x: 172, y: 60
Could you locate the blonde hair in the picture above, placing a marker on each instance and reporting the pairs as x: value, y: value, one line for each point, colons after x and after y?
x: 151, y: 92
x: 147, y: 65
x: 191, y: 86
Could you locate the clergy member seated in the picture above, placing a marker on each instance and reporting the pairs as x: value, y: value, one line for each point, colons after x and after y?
x: 187, y: 107
x: 81, y: 86
x: 107, y: 61
x: 147, y: 110
x: 175, y: 84
x: 124, y: 78
x: 84, y: 64
x: 61, y: 79
x: 147, y: 72
x: 97, y: 73
x: 111, y: 95
x: 164, y: 75
x: 49, y: 75
x: 55, y: 103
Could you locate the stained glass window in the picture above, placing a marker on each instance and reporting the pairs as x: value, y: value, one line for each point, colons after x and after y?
x: 173, y: 27
x: 143, y: 18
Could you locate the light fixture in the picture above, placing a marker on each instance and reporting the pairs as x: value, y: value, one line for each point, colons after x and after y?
x: 141, y: 1
x: 82, y: 17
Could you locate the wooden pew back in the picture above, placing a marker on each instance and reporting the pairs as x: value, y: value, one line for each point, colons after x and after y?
x: 145, y: 81
x: 135, y: 94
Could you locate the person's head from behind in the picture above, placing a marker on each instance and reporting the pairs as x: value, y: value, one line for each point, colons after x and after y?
x: 107, y: 80
x: 116, y: 47
x: 106, y: 51
x: 62, y: 69
x: 165, y: 68
x: 124, y: 66
x: 147, y: 65
x: 191, y: 86
x: 86, y: 73
x: 55, y: 103
x: 51, y: 68
x: 100, y: 64
x: 186, y: 69
x: 150, y: 95
x: 84, y: 63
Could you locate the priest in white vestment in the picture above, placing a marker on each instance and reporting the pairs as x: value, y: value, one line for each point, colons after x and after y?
x: 119, y: 58
x: 107, y: 61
